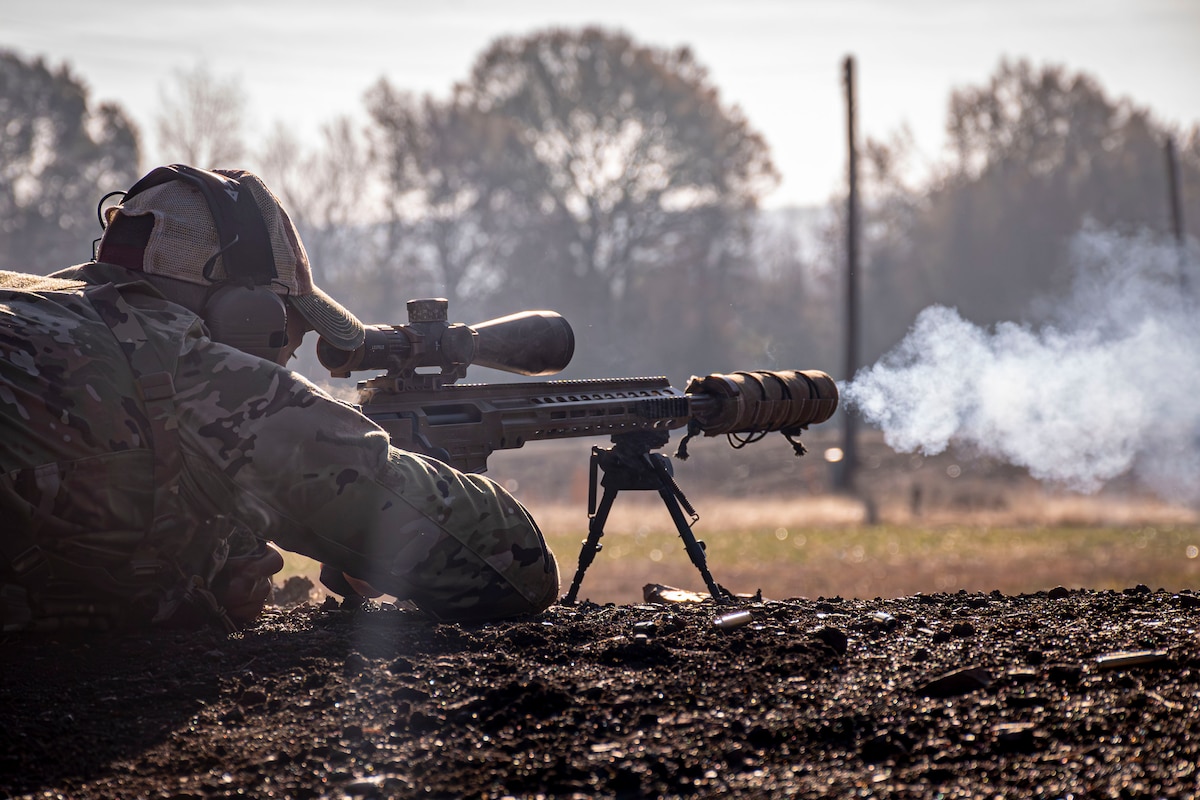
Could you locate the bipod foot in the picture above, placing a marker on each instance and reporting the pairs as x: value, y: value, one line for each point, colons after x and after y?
x: 724, y: 597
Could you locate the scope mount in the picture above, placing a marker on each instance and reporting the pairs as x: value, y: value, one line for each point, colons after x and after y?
x: 629, y: 465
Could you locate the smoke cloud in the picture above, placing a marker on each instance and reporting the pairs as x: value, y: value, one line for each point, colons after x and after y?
x: 1108, y: 386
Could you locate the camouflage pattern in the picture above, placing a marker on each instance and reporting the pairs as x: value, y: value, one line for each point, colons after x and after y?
x: 260, y: 449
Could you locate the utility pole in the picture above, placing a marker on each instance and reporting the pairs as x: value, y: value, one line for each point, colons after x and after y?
x: 849, y: 463
x: 1175, y: 201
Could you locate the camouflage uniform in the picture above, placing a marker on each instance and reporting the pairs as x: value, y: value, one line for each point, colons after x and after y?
x: 93, y: 384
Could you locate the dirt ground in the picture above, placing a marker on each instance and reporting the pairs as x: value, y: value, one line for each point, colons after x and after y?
x: 1056, y: 694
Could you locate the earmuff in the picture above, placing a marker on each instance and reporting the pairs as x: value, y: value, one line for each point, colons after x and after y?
x: 251, y: 318
x: 242, y: 311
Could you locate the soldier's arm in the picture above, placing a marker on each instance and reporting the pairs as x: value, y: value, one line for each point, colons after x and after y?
x: 316, y: 477
x: 244, y: 584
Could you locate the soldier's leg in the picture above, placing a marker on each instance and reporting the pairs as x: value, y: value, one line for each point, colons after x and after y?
x: 459, y: 546
x: 521, y: 576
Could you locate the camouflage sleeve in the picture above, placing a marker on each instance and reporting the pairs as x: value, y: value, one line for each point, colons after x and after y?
x: 266, y: 446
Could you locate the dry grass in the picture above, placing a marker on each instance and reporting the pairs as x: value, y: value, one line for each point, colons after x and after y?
x: 824, y: 546
x: 918, y: 524
x: 823, y: 511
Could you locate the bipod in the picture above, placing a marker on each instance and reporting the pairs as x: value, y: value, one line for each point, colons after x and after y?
x: 629, y: 465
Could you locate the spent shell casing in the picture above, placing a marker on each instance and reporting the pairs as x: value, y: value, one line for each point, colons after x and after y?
x: 735, y: 619
x: 1138, y: 658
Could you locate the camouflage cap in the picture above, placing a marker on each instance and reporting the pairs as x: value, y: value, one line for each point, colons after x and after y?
x: 183, y: 239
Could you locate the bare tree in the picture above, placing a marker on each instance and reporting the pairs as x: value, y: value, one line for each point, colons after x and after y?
x: 59, y: 153
x: 336, y: 196
x: 454, y: 179
x: 1035, y: 152
x: 203, y: 119
x: 580, y: 170
x: 627, y: 138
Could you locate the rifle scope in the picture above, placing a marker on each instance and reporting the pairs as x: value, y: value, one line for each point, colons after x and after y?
x: 526, y: 343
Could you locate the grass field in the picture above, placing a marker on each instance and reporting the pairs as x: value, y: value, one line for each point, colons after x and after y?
x: 821, y: 546
x: 916, y: 524
x: 787, y: 550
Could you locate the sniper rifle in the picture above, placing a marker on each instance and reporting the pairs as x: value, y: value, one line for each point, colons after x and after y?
x: 424, y: 409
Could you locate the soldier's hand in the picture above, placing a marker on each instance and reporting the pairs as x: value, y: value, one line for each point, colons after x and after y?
x: 362, y: 587
x: 247, y: 583
x: 345, y: 584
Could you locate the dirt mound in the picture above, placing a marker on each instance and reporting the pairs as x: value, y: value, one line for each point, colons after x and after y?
x: 963, y: 695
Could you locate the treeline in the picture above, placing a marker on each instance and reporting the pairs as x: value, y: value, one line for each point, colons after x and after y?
x: 582, y: 171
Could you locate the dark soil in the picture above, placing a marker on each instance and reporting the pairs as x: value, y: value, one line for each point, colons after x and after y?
x: 956, y: 695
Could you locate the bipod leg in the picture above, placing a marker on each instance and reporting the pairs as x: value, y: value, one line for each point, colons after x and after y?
x: 675, y: 501
x: 597, y: 516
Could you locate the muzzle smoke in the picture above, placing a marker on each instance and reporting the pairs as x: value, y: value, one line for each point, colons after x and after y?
x: 1109, y: 386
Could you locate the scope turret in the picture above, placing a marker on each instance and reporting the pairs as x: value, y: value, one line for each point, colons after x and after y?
x: 527, y: 343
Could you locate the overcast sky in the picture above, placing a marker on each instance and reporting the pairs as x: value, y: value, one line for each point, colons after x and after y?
x: 304, y: 62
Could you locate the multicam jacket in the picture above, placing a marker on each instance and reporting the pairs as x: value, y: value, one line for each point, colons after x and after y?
x: 135, y: 451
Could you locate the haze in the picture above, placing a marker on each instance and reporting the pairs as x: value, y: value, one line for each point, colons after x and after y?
x: 304, y: 63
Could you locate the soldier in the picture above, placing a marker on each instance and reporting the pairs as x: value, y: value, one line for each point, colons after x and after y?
x: 153, y: 442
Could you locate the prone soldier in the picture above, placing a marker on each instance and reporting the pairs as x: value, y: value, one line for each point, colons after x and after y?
x: 153, y: 441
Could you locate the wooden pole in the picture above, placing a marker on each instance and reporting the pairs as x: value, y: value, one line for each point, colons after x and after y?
x: 1175, y: 201
x: 849, y: 464
x: 1173, y: 195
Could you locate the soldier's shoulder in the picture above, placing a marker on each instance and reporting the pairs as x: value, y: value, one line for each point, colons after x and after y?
x: 26, y: 282
x: 80, y: 276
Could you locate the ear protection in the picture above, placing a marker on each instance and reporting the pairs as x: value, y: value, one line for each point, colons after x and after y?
x: 241, y: 311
